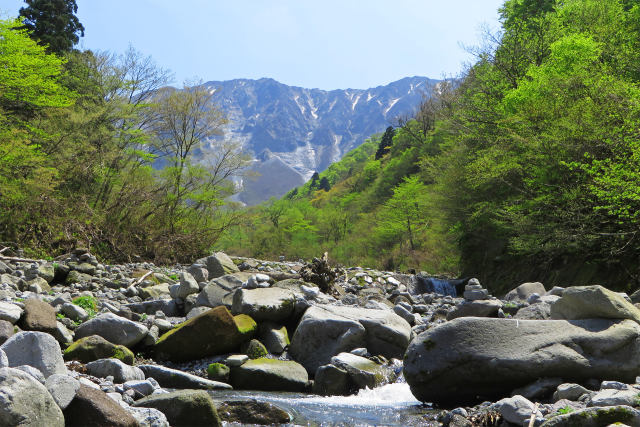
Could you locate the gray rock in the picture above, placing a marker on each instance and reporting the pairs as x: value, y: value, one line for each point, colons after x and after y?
x: 523, y: 291
x: 63, y: 389
x: 218, y: 265
x: 616, y: 385
x: 590, y: 302
x: 330, y: 380
x: 539, y: 389
x: 163, y: 325
x: 405, y: 314
x: 37, y: 349
x: 196, y: 311
x: 74, y: 312
x: 173, y: 378
x: 475, y: 294
x: 556, y: 291
x: 613, y: 397
x: 220, y: 291
x: 480, y: 308
x: 120, y: 371
x: 114, y: 329
x: 144, y: 387
x: 149, y: 417
x: 199, y: 272
x: 539, y: 311
x: 516, y: 410
x: 186, y: 287
x: 62, y: 334
x: 35, y: 373
x: 362, y: 371
x: 274, y: 337
x: 596, y: 417
x: 10, y: 312
x: 569, y: 391
x: 26, y: 402
x: 469, y: 359
x: 236, y: 360
x: 325, y: 331
x: 269, y: 375
x: 273, y: 304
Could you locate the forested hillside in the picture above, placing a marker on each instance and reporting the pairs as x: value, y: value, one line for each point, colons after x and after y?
x: 96, y: 151
x: 528, y: 168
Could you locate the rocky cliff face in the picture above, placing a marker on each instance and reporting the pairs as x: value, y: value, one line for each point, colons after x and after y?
x: 294, y: 131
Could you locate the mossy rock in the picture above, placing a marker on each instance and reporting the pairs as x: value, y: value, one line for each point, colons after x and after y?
x: 270, y: 375
x: 252, y: 412
x: 95, y: 347
x: 184, y: 408
x: 254, y: 349
x: 213, y: 332
x: 218, y: 372
x: 246, y: 325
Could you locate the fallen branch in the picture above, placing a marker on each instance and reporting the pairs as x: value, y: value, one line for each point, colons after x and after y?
x: 140, y: 280
x: 16, y: 259
x: 4, y: 249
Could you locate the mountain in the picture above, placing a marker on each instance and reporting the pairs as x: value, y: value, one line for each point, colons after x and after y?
x: 293, y: 131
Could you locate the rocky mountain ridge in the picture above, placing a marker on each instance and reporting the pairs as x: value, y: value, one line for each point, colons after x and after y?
x: 293, y: 131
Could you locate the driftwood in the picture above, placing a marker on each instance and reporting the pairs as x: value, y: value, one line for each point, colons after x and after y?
x: 140, y: 280
x: 532, y: 420
x: 16, y: 259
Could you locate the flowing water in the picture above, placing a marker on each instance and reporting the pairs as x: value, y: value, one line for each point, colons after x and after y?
x: 387, y: 405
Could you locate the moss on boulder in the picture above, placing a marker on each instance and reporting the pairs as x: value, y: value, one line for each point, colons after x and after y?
x: 95, y: 347
x: 213, y: 332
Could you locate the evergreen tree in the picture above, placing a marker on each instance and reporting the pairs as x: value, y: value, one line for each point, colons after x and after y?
x: 53, y: 23
x: 314, y: 180
x: 385, y: 143
x: 324, y: 184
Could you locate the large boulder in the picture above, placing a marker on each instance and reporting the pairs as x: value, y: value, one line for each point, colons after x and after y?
x: 218, y: 265
x: 36, y: 349
x: 220, y: 291
x: 325, y: 331
x: 63, y: 389
x: 26, y: 402
x: 472, y: 359
x: 95, y: 347
x: 522, y: 292
x: 215, y: 331
x: 589, y: 302
x: 114, y: 329
x: 93, y: 408
x: 121, y: 372
x: 273, y: 304
x: 362, y: 371
x: 38, y: 316
x: 184, y: 408
x: 269, y: 375
x: 174, y: 378
x: 477, y: 308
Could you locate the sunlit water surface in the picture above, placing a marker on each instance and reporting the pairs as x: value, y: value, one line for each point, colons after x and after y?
x: 387, y: 405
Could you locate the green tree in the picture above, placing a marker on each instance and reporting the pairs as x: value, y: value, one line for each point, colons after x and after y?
x: 403, y: 215
x: 53, y: 23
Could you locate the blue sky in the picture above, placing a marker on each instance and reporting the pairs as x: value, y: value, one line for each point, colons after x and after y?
x: 328, y: 44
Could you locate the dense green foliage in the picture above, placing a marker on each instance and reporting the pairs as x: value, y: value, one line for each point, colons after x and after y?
x: 94, y: 153
x: 527, y: 168
x: 53, y: 23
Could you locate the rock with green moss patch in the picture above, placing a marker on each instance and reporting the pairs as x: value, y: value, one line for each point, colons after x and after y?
x: 252, y: 412
x: 218, y: 372
x: 160, y: 291
x: 596, y: 417
x: 273, y: 304
x: 274, y: 337
x: 95, y: 347
x: 362, y: 371
x: 184, y: 408
x: 77, y: 277
x: 269, y: 375
x: 213, y: 332
x: 254, y: 349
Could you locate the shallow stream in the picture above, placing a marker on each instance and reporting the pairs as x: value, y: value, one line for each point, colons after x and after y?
x: 387, y: 405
